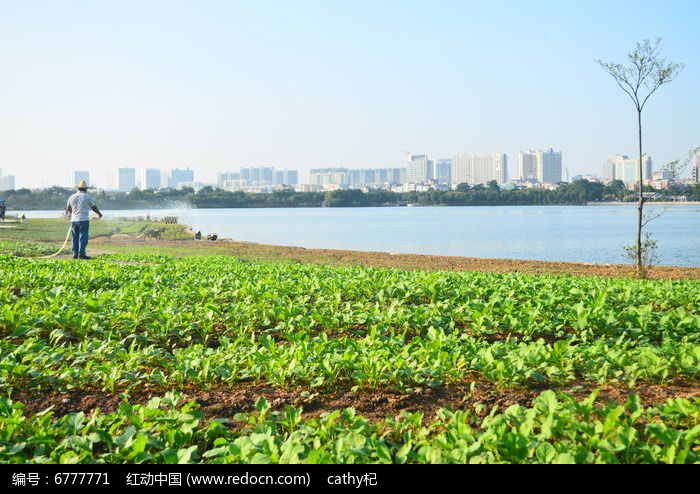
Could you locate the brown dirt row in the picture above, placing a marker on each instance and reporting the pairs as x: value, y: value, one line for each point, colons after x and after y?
x: 375, y: 405
x: 248, y: 250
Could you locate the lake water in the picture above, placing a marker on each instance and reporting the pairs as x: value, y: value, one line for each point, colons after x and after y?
x: 595, y: 234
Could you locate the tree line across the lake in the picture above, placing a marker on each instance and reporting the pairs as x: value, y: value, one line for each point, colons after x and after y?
x: 578, y: 192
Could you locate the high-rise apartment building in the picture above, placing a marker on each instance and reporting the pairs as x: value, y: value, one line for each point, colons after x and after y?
x: 222, y: 178
x: 695, y: 171
x: 267, y: 175
x: 78, y: 176
x: 358, y: 177
x: 370, y: 176
x: 549, y: 170
x: 151, y: 178
x: 527, y: 165
x: 417, y: 169
x: 609, y: 167
x: 626, y: 169
x: 385, y: 176
x: 7, y: 182
x: 286, y: 177
x: 247, y: 174
x: 126, y: 179
x: 365, y: 176
x: 179, y: 177
x: 263, y: 176
x: 251, y: 175
x: 292, y: 177
x: 330, y: 176
x: 431, y: 169
x: 479, y: 168
x: 257, y: 177
x: 443, y: 171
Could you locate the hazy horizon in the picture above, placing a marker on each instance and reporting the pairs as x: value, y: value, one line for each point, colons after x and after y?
x: 218, y: 85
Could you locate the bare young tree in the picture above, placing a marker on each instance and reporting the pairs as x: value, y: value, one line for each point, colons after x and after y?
x: 672, y: 171
x: 645, y: 72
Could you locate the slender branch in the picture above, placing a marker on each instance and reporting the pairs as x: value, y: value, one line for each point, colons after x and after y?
x: 631, y: 94
x: 652, y: 215
x: 644, y: 102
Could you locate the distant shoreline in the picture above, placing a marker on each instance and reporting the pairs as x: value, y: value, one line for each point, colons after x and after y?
x: 648, y: 203
x: 166, y: 208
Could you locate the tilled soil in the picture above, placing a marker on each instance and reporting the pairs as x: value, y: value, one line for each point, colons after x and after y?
x: 375, y: 405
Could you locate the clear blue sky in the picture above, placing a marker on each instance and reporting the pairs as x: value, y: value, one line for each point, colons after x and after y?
x: 215, y: 85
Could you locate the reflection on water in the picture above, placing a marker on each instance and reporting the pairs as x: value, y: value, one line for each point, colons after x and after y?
x: 593, y: 234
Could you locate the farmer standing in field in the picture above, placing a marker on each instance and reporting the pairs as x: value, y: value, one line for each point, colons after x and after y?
x: 3, y: 208
x: 79, y: 206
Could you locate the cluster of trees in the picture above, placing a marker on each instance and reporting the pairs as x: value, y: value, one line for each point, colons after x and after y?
x: 56, y: 198
x: 578, y: 192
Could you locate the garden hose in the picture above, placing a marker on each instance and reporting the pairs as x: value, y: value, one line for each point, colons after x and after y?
x: 68, y: 234
x: 70, y: 228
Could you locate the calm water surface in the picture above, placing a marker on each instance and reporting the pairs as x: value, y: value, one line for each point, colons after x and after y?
x: 593, y: 234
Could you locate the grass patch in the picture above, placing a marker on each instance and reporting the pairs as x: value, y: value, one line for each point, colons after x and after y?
x: 54, y: 230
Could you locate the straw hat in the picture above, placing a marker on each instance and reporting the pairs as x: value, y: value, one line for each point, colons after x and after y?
x: 82, y: 185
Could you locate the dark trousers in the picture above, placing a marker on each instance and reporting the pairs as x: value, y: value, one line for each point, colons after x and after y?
x: 80, y: 231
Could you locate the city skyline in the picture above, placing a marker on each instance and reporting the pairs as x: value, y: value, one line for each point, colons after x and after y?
x: 533, y: 167
x: 327, y: 84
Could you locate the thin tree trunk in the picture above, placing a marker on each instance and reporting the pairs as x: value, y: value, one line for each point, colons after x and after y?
x: 641, y: 200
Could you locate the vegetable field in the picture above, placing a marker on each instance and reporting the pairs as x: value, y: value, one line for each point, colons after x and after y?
x: 147, y: 358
